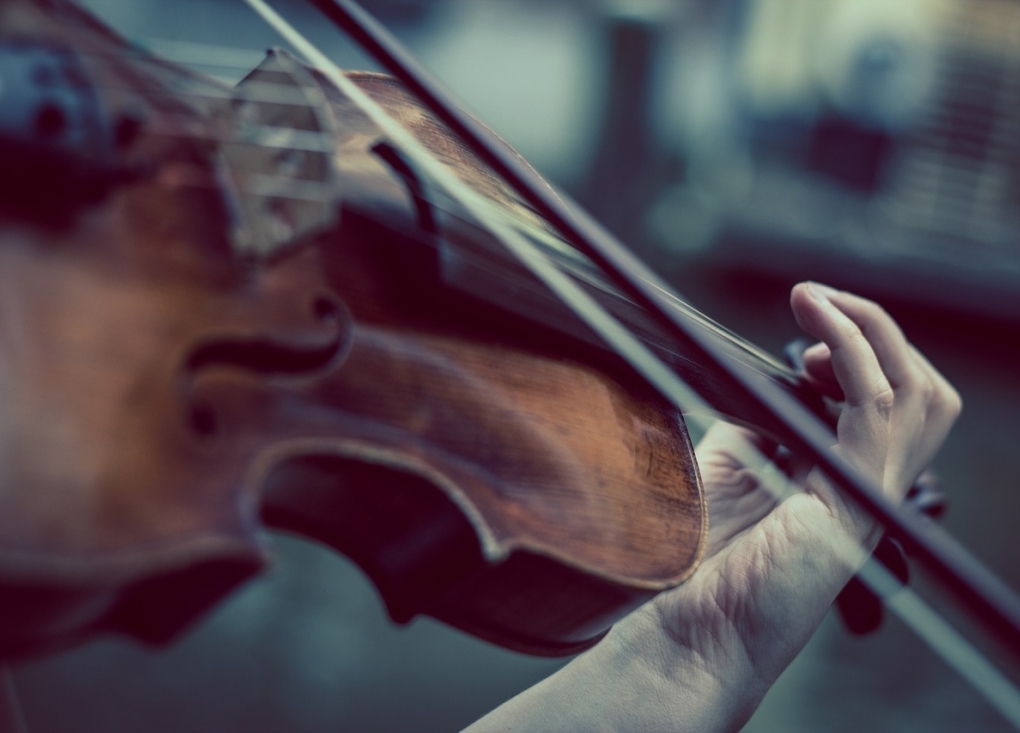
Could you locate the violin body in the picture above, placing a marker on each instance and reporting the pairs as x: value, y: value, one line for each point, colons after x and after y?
x: 235, y: 320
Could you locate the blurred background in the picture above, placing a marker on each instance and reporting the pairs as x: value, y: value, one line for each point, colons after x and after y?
x: 739, y: 146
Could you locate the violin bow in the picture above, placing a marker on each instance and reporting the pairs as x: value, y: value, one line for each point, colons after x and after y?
x: 964, y: 578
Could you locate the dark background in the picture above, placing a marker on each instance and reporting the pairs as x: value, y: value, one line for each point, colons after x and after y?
x: 740, y: 146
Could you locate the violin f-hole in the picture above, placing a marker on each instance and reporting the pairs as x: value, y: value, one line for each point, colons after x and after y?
x: 415, y: 187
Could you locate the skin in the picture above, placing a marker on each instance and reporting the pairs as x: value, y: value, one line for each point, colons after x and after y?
x: 702, y: 656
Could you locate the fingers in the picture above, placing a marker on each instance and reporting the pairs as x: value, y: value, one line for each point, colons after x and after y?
x: 854, y: 359
x: 904, y: 369
x: 894, y: 354
x: 898, y: 405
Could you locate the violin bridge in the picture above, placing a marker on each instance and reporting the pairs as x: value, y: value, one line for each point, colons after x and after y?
x: 278, y: 166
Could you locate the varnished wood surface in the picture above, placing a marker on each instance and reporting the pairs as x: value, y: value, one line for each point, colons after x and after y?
x: 160, y: 388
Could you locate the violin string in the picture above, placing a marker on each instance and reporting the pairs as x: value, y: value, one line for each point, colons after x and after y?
x: 1005, y: 697
x: 275, y: 93
x: 569, y: 259
x: 206, y: 55
x: 268, y: 92
x: 208, y: 87
x: 319, y: 141
x: 185, y: 173
x: 558, y: 244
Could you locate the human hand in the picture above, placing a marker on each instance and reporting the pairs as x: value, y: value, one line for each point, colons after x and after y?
x: 773, y: 566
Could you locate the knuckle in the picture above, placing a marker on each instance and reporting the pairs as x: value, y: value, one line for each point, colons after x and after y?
x: 885, y: 400
x: 871, y: 313
x: 928, y: 392
x: 872, y: 310
x: 942, y: 394
x: 957, y: 402
x: 950, y: 401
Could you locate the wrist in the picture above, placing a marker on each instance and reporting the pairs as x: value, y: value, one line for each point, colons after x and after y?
x: 706, y: 671
x: 639, y: 678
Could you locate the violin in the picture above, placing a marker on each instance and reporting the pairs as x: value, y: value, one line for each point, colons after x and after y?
x: 227, y: 310
x: 201, y: 360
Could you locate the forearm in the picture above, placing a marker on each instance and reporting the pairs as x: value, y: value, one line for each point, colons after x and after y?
x: 636, y: 679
